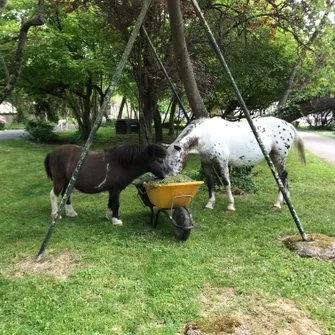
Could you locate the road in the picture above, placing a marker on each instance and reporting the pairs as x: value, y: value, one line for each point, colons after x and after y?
x: 320, y: 146
x: 5, y: 135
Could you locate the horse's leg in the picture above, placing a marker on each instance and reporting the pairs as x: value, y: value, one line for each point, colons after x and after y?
x: 280, y: 164
x: 69, y: 211
x: 208, y: 171
x: 224, y: 169
x: 112, y: 213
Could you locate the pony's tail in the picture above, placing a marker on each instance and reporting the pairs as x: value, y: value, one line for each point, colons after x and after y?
x: 300, y: 146
x: 47, y: 166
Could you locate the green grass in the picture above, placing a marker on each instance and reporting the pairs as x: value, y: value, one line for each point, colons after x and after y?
x: 138, y: 280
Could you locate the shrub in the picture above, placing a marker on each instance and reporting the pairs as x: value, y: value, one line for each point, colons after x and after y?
x: 2, y: 122
x: 40, y: 131
x: 239, y: 177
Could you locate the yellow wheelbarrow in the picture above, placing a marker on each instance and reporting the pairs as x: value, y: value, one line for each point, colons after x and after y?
x: 170, y: 199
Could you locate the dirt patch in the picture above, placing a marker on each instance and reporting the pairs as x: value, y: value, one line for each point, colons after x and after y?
x: 317, y: 246
x: 224, y: 312
x: 238, y: 192
x: 58, y: 266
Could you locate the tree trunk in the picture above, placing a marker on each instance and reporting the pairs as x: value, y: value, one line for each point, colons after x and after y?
x: 123, y: 102
x: 38, y: 20
x: 182, y: 56
x: 149, y: 102
x: 172, y: 116
x: 158, y: 126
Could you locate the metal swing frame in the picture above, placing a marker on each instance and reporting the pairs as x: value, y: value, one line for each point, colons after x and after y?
x: 110, y: 90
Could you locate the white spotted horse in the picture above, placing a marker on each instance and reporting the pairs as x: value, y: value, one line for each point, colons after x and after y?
x: 112, y: 170
x: 220, y: 144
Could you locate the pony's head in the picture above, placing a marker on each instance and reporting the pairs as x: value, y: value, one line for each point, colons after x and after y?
x: 157, y: 162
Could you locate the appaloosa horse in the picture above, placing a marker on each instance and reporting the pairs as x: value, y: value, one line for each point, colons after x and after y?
x: 63, y: 123
x: 112, y: 170
x: 221, y: 143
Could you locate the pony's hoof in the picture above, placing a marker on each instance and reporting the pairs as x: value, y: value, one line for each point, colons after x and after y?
x: 276, y: 207
x: 230, y: 210
x: 117, y: 222
x: 209, y: 206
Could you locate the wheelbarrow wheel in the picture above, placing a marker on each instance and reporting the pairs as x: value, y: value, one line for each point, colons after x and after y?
x: 182, y: 218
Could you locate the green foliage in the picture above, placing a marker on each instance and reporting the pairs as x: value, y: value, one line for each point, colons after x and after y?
x: 239, y: 177
x: 40, y: 131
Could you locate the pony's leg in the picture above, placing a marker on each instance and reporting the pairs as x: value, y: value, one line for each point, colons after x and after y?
x: 208, y: 171
x: 280, y: 165
x: 69, y: 211
x: 53, y: 200
x: 112, y: 213
x: 224, y: 169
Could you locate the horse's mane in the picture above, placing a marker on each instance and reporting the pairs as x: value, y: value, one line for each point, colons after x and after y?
x: 132, y: 153
x: 190, y: 127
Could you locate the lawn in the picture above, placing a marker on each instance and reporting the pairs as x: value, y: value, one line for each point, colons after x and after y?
x: 96, y: 278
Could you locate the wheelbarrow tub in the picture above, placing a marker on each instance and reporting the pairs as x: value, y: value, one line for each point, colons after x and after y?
x: 173, y: 194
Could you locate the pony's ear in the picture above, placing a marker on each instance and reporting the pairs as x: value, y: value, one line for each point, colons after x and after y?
x: 155, y: 150
x: 177, y: 147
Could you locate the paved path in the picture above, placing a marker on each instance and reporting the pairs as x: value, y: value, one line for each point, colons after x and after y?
x: 320, y: 146
x: 12, y: 133
x: 4, y: 135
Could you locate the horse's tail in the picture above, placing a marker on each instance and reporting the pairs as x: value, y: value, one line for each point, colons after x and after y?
x: 300, y: 146
x: 47, y: 166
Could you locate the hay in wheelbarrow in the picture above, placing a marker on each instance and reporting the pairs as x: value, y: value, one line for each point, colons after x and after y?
x: 172, y: 192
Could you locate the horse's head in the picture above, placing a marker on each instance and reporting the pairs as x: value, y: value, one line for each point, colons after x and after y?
x: 158, y: 164
x: 178, y: 152
x: 187, y: 141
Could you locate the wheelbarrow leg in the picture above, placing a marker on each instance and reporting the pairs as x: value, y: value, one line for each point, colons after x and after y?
x: 157, y: 215
x: 151, y: 215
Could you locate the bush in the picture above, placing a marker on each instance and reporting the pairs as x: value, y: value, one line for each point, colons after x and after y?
x: 40, y: 131
x: 2, y: 122
x: 239, y: 177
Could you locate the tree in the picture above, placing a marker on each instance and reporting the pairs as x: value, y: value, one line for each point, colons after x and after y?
x: 70, y: 60
x: 11, y: 80
x: 183, y: 60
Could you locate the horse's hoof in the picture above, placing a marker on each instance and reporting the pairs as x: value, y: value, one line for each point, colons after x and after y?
x: 230, y: 210
x: 71, y: 214
x: 276, y: 207
x: 209, y: 206
x: 117, y: 222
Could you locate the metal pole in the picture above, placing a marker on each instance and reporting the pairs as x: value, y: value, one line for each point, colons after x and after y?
x: 247, y: 114
x: 103, y: 108
x: 166, y: 74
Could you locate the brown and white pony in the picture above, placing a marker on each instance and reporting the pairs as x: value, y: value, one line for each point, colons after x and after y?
x: 112, y: 171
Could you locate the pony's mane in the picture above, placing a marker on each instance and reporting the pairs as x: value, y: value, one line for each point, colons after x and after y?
x: 132, y: 153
